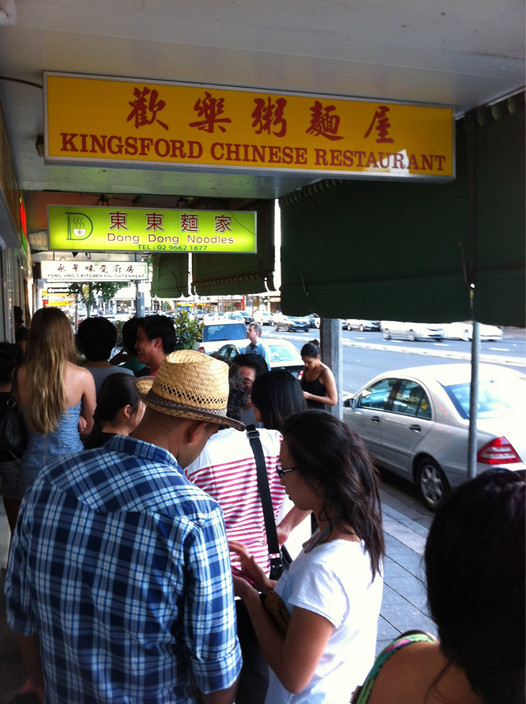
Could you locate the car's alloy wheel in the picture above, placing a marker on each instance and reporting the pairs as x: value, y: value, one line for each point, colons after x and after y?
x: 362, y: 328
x: 431, y: 483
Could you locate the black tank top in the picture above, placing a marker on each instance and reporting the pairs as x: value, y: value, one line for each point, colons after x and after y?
x: 316, y: 388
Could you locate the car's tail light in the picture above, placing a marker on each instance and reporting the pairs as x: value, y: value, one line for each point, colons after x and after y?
x: 498, y: 451
x: 201, y: 348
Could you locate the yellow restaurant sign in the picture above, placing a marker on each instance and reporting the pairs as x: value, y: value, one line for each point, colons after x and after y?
x: 97, y: 228
x: 107, y: 120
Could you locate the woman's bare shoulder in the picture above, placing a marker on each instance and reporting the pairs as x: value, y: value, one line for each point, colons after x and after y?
x: 408, y: 674
x: 74, y: 372
x: 22, y: 371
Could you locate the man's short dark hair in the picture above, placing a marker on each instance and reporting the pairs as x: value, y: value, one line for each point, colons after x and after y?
x: 129, y: 335
x: 96, y: 338
x: 159, y: 326
x: 254, y: 361
x: 257, y: 328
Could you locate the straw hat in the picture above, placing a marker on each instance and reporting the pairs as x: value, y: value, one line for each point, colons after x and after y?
x: 189, y: 384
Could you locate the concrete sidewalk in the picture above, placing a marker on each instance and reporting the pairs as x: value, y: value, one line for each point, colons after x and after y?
x: 404, y: 599
x: 404, y: 603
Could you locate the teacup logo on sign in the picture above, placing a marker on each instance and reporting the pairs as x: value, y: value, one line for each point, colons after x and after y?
x: 79, y: 227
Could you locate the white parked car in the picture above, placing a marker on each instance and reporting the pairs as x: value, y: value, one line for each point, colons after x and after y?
x: 262, y: 317
x: 411, y: 331
x: 415, y: 422
x: 283, y: 354
x: 464, y: 331
x: 215, y: 334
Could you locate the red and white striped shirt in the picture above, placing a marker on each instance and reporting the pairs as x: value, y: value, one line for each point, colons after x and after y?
x: 226, y: 470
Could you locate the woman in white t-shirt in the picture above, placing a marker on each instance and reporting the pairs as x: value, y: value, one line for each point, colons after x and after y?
x: 333, y: 589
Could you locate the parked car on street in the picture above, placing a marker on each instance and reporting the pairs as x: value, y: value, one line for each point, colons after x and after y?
x: 283, y: 354
x: 291, y: 323
x: 411, y: 331
x: 464, y: 331
x: 361, y: 325
x: 415, y: 422
x: 241, y: 315
x: 248, y: 318
x: 262, y: 317
x: 215, y: 334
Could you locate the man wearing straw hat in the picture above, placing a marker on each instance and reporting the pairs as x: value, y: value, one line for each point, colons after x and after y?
x: 119, y: 577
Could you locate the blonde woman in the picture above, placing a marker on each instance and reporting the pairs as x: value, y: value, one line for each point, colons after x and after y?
x: 56, y: 395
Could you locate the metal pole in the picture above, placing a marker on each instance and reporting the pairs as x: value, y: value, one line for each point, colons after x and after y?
x: 471, y: 282
x: 473, y: 401
x: 332, y: 356
x: 137, y: 299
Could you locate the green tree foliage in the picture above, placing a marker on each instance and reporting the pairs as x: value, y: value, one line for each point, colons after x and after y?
x: 87, y: 292
x: 187, y: 330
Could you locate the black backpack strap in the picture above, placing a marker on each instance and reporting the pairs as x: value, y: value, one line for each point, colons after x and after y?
x: 264, y: 491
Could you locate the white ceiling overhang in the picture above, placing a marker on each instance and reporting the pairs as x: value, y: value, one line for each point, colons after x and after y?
x: 459, y: 53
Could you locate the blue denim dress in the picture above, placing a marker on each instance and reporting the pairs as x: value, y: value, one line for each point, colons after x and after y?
x: 44, y: 447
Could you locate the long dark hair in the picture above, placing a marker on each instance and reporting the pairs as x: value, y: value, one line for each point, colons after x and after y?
x: 329, y: 454
x: 277, y: 395
x: 475, y: 582
x: 117, y: 390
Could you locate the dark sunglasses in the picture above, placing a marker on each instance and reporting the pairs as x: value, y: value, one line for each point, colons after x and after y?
x: 281, y: 472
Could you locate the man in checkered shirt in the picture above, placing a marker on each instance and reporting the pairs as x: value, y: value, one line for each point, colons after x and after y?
x: 119, y: 582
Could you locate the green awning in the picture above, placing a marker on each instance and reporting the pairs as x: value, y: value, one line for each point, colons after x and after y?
x: 408, y: 251
x: 170, y: 275
x: 223, y: 274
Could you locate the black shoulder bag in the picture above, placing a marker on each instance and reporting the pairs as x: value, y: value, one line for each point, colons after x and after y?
x: 13, y: 433
x: 280, y: 559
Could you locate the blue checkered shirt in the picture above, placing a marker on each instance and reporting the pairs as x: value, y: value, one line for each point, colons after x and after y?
x: 122, y: 567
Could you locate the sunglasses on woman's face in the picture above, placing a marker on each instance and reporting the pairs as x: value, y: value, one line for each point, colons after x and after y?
x: 281, y: 472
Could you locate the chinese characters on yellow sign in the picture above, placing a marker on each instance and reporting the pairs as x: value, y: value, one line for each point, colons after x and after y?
x: 98, y: 228
x: 107, y: 120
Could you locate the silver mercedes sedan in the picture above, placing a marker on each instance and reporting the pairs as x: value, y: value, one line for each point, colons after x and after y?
x: 415, y: 423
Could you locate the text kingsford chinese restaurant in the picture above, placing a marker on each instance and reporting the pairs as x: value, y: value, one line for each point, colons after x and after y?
x: 191, y: 125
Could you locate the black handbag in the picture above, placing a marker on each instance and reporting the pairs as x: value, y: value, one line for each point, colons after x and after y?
x: 280, y: 558
x: 13, y: 432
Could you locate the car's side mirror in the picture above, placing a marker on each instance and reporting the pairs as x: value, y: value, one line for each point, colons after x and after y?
x: 349, y: 402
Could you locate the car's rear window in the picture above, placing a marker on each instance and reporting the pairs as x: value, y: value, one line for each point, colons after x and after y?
x: 215, y: 333
x: 495, y: 398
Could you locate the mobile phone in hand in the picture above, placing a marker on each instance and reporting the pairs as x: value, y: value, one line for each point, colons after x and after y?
x: 237, y: 573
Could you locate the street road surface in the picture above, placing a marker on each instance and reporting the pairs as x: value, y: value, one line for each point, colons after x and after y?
x: 366, y: 354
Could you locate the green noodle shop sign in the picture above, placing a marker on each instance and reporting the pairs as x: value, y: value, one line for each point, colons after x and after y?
x: 98, y: 228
